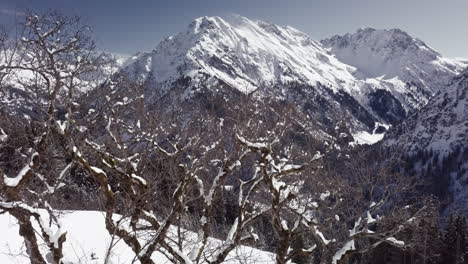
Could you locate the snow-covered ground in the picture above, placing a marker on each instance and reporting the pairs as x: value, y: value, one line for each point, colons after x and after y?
x: 364, y: 137
x: 88, y: 243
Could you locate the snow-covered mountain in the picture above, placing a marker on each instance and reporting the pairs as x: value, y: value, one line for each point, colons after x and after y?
x: 367, y: 77
x: 406, y: 66
x: 390, y: 54
x: 436, y: 141
x: 244, y: 54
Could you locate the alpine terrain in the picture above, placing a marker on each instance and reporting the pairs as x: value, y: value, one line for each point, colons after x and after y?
x: 435, y: 141
x: 369, y: 77
x: 233, y: 141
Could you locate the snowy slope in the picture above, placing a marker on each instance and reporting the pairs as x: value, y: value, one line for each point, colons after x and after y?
x: 367, y: 85
x: 442, y: 124
x: 243, y: 53
x: 395, y: 59
x: 392, y: 53
x: 437, y: 138
x: 88, y: 242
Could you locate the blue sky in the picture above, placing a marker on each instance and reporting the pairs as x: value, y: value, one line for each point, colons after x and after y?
x: 138, y: 25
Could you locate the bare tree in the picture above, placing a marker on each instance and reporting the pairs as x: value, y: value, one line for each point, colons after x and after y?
x: 334, y: 215
x: 194, y: 157
x: 59, y: 51
x: 162, y: 176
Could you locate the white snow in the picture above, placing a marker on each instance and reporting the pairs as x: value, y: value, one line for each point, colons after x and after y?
x: 248, y: 55
x: 324, y: 195
x: 139, y: 179
x: 278, y: 185
x: 12, y: 182
x: 387, y: 54
x: 440, y: 128
x: 369, y: 218
x: 232, y: 231
x: 262, y: 52
x: 228, y: 188
x: 311, y: 249
x: 321, y: 236
x: 257, y: 145
x: 88, y: 242
x: 348, y: 246
x: 395, y: 241
x: 353, y: 231
x: 97, y: 170
x: 3, y: 135
x: 364, y: 137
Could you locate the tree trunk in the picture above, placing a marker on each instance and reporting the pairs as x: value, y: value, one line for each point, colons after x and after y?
x: 26, y: 230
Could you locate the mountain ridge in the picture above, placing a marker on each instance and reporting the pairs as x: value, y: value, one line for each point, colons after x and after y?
x: 257, y: 56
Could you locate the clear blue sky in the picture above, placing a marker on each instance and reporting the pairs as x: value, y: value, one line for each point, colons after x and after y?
x: 128, y: 26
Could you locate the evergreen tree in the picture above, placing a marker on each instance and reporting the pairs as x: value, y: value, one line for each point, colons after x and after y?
x: 455, y: 247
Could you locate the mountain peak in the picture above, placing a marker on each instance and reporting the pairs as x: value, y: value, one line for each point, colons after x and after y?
x: 388, y: 53
x: 205, y: 23
x: 228, y: 22
x: 371, y: 30
x: 242, y: 53
x: 381, y: 70
x: 388, y: 42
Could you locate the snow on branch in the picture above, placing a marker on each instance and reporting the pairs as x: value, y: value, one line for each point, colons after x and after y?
x: 3, y: 135
x: 13, y: 182
x: 342, y: 251
x: 252, y: 145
